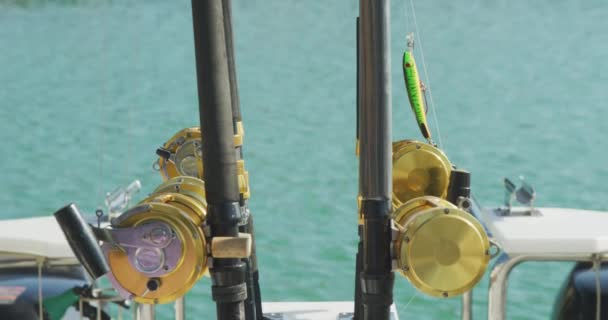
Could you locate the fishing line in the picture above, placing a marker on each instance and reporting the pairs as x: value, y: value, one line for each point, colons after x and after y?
x: 426, y: 75
x: 408, y: 24
x: 137, y: 56
x: 104, y: 93
x: 411, y: 299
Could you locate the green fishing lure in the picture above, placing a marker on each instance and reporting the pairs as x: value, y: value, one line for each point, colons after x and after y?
x: 415, y: 93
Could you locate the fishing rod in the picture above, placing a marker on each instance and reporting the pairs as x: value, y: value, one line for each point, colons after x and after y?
x: 413, y: 202
x: 156, y: 251
x: 228, y: 275
x: 375, y: 159
x: 358, y: 306
x: 253, y: 304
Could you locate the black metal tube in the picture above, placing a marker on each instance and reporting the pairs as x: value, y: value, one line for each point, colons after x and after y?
x: 258, y: 295
x: 375, y: 160
x: 460, y: 185
x: 221, y: 185
x: 250, y: 312
x: 253, y: 304
x: 82, y: 240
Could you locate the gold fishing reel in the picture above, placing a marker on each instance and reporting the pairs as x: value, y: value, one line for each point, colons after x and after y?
x: 419, y: 169
x: 182, y: 156
x: 440, y: 248
x: 169, y: 263
x: 159, y: 249
x: 163, y: 249
x: 189, y: 186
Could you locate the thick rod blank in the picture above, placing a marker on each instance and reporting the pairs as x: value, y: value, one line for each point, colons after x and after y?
x: 358, y: 314
x: 234, y: 89
x: 219, y: 157
x: 375, y: 132
x: 375, y: 160
x: 253, y: 304
x: 215, y: 102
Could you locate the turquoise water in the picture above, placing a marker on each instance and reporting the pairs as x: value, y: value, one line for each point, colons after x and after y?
x: 89, y: 89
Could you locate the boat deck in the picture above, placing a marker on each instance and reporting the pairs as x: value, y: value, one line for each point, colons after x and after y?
x: 329, y: 310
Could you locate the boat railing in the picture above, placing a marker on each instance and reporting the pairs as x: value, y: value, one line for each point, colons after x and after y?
x: 549, y: 235
x: 100, y: 296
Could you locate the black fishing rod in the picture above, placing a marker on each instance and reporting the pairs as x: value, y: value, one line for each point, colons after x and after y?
x: 375, y: 160
x: 253, y: 304
x: 234, y: 89
x: 229, y: 288
x: 359, y: 259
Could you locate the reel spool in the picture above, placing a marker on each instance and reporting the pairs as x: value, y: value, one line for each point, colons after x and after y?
x: 181, y: 155
x: 188, y: 186
x: 419, y: 169
x: 442, y: 250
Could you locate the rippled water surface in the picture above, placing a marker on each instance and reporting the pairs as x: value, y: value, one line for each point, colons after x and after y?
x: 89, y: 89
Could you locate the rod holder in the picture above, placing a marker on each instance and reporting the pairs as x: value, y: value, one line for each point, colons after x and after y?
x: 82, y: 240
x: 460, y: 185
